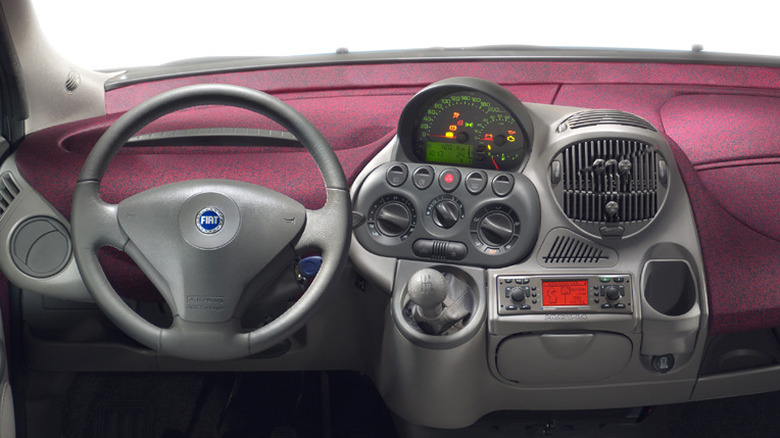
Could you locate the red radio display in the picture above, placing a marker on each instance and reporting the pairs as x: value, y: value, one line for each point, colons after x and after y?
x: 565, y: 293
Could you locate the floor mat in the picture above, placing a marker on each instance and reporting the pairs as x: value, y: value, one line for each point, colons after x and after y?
x: 225, y: 405
x: 123, y: 419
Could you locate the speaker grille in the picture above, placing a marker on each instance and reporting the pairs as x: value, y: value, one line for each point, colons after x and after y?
x: 584, y: 119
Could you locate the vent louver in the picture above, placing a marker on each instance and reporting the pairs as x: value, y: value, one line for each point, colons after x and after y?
x: 611, y: 182
x: 588, y: 118
x: 9, y: 191
x: 563, y: 248
x: 569, y: 250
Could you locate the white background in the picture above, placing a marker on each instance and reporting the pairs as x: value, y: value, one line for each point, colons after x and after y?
x: 107, y: 33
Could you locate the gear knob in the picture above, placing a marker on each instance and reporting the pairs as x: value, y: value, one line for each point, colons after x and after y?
x: 427, y: 289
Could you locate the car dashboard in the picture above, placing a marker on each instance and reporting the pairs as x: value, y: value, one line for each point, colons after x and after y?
x: 596, y: 225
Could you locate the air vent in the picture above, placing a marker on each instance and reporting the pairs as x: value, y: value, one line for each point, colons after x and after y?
x: 611, y: 183
x: 584, y: 119
x: 9, y: 191
x: 568, y: 250
x: 563, y: 248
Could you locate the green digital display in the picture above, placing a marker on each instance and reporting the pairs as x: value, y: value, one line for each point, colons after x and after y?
x: 451, y: 153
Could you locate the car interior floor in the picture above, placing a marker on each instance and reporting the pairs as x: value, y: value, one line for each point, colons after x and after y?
x: 335, y: 404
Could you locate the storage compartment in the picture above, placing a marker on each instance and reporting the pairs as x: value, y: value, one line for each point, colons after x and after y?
x: 562, y: 358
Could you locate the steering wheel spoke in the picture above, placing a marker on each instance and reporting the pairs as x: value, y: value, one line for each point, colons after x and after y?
x: 204, y: 341
x: 103, y: 219
x: 320, y: 232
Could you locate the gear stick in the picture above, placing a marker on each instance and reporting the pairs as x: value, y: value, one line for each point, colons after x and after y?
x: 427, y: 290
x: 437, y: 301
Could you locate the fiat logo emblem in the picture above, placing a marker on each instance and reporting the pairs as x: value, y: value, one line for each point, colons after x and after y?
x: 209, y: 220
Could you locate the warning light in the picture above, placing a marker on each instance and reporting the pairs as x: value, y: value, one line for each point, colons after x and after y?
x: 489, y: 148
x: 455, y: 115
x: 453, y: 127
x: 510, y: 139
x: 449, y: 135
x: 469, y: 124
x: 488, y: 137
x: 449, y: 178
x: 510, y: 132
x: 460, y: 123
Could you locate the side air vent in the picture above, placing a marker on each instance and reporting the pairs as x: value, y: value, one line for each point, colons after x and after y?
x: 9, y: 191
x: 584, y: 119
x: 562, y: 248
x: 611, y: 186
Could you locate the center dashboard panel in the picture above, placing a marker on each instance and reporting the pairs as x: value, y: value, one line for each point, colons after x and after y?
x: 573, y: 235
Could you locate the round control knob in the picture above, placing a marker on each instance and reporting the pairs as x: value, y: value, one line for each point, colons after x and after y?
x: 517, y: 295
x: 612, y: 293
x: 612, y: 208
x: 446, y: 214
x: 624, y: 167
x: 496, y: 229
x: 393, y: 219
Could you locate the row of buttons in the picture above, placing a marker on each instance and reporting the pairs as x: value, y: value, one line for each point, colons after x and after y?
x: 449, y: 179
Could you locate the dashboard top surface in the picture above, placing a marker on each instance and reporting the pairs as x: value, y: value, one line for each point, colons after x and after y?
x: 357, y: 108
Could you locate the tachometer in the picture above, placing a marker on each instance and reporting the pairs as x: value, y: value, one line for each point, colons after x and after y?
x: 466, y: 122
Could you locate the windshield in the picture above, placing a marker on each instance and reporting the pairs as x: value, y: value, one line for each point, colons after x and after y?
x: 106, y: 35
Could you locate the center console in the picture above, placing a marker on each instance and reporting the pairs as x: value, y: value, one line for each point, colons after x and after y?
x: 561, y: 242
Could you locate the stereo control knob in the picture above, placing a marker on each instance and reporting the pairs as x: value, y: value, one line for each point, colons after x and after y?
x: 612, y: 293
x: 496, y: 229
x: 517, y: 295
x: 446, y: 214
x: 393, y: 219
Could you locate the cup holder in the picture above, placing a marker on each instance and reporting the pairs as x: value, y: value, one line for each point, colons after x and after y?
x: 669, y: 287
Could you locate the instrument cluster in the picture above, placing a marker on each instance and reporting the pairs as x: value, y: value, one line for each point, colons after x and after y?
x: 466, y: 122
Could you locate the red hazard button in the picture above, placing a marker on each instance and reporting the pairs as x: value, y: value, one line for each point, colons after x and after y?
x: 449, y: 179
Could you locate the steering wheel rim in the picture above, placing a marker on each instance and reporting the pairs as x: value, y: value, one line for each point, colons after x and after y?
x: 200, y: 334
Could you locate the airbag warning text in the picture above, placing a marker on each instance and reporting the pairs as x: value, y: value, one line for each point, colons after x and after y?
x: 205, y: 303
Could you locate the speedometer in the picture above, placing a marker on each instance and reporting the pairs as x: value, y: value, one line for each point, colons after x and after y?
x: 462, y: 122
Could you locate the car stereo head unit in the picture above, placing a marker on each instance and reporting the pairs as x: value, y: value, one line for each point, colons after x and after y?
x: 521, y: 294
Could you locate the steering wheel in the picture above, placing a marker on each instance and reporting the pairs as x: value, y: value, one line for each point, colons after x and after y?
x: 205, y: 243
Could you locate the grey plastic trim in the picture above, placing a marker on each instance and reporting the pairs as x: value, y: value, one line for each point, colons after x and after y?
x: 45, y: 73
x: 67, y: 283
x: 738, y: 383
x: 379, y: 270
